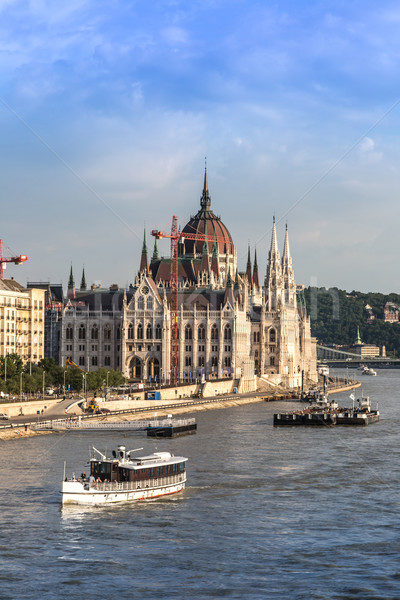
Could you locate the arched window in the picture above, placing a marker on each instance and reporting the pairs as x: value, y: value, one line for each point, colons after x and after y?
x: 149, y: 332
x: 140, y: 332
x: 130, y: 332
x: 272, y: 361
x: 158, y: 332
x: 107, y: 332
x: 272, y: 335
x: 118, y: 333
x: 95, y: 333
x: 227, y: 333
x: 188, y: 332
x: 201, y: 333
x: 214, y: 333
x: 149, y: 303
x: 82, y: 332
x: 140, y: 303
x: 256, y: 336
x: 69, y: 333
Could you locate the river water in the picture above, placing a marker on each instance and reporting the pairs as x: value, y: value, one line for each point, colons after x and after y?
x: 298, y: 513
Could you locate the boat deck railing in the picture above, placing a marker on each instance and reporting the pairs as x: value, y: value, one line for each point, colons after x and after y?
x: 107, y: 425
x: 122, y: 486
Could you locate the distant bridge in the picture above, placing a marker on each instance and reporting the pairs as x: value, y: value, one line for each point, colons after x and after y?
x: 336, y: 356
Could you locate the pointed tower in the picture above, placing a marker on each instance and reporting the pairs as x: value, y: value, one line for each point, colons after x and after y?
x: 155, y: 251
x: 144, y: 260
x: 205, y: 200
x: 287, y: 274
x: 83, y: 287
x: 273, y: 279
x: 229, y: 291
x: 248, y: 269
x: 71, y: 285
x: 214, y: 260
x: 205, y: 262
x: 256, y: 282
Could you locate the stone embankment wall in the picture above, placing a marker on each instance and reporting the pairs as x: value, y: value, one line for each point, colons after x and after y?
x: 15, y: 409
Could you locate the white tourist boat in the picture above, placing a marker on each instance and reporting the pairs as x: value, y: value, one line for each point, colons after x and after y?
x: 368, y: 371
x: 126, y: 476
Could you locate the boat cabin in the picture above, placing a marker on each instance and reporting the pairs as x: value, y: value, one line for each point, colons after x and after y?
x: 123, y: 467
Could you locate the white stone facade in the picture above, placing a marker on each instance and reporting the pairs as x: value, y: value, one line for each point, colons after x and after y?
x: 229, y: 325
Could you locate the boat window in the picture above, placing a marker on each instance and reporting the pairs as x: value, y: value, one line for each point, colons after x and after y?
x: 182, y: 466
x: 101, y: 469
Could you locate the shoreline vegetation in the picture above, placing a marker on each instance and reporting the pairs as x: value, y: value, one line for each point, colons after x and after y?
x: 22, y: 432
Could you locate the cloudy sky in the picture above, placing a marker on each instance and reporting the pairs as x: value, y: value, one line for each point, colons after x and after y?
x: 108, y: 109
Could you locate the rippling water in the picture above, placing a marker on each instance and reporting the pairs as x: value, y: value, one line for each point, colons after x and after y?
x: 268, y: 513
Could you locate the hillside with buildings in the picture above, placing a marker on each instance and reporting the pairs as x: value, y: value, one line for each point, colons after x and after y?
x: 337, y: 316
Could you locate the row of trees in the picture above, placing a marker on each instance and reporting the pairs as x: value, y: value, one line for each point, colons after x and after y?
x: 17, y: 377
x: 336, y: 314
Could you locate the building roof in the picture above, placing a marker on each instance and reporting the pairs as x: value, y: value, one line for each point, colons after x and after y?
x: 205, y: 222
x: 11, y: 285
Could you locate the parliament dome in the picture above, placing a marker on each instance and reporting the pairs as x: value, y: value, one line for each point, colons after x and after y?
x: 205, y: 222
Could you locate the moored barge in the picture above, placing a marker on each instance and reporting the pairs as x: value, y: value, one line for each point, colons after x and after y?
x: 126, y: 477
x: 172, y: 428
x: 329, y: 415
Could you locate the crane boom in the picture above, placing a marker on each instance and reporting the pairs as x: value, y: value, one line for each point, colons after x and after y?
x: 6, y: 259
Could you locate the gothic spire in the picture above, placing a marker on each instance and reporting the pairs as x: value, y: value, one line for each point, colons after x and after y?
x: 286, y: 248
x: 71, y: 285
x: 273, y: 279
x: 205, y: 262
x: 155, y: 251
x: 274, y: 251
x: 287, y: 273
x: 71, y: 282
x: 248, y: 268
x: 214, y: 260
x: 236, y: 285
x: 83, y: 281
x: 256, y: 282
x: 228, y: 291
x: 205, y: 200
x: 144, y: 260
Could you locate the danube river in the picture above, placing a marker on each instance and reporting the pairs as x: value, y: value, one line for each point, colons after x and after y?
x: 298, y: 513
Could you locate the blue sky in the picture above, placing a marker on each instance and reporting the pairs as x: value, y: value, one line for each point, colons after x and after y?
x: 108, y: 108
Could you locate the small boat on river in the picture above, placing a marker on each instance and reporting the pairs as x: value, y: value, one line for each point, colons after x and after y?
x: 368, y: 371
x: 126, y: 476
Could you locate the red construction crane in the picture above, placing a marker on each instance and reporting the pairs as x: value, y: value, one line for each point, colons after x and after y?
x: 14, y: 259
x: 177, y: 235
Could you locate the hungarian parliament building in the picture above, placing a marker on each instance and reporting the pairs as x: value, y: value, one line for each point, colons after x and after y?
x: 229, y: 323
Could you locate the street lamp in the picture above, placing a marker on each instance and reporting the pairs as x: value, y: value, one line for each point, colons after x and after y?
x: 107, y: 378
x: 44, y: 373
x: 20, y: 385
x: 65, y: 371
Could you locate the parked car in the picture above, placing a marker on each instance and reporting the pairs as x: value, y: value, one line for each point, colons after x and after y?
x: 4, y: 417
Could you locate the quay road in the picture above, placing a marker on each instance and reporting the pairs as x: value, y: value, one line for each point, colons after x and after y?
x: 58, y: 411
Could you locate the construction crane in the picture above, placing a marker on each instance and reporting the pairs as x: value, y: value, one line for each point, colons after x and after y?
x: 7, y: 259
x: 176, y: 236
x: 70, y: 363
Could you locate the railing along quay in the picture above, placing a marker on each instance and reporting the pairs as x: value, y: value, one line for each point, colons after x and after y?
x: 78, y: 425
x: 271, y: 397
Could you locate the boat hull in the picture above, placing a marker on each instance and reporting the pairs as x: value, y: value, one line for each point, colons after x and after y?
x: 74, y: 492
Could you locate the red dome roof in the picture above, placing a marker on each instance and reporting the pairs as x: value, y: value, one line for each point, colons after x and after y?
x: 205, y: 222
